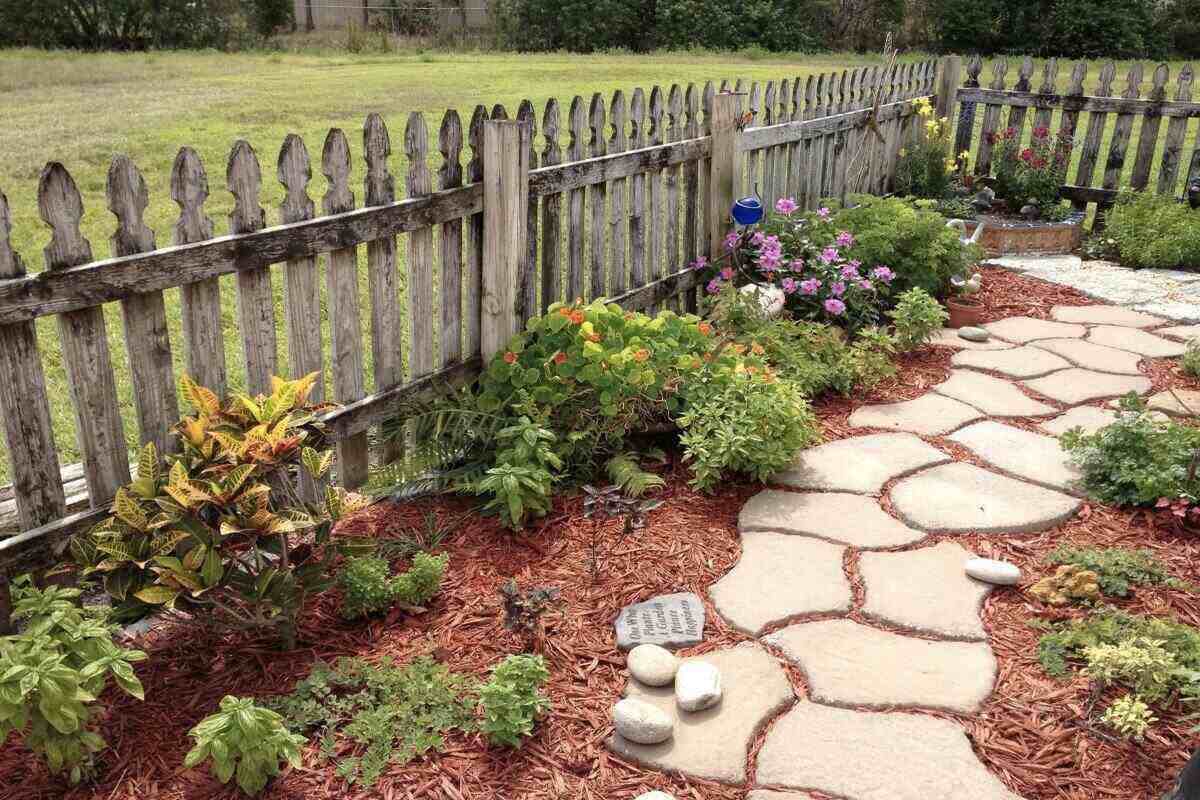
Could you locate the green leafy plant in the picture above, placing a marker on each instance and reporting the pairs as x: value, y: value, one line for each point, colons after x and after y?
x: 52, y: 674
x: 1142, y: 664
x: 1189, y: 362
x: 512, y: 700
x: 916, y: 319
x: 1032, y: 175
x: 521, y: 481
x: 625, y: 471
x: 922, y: 169
x: 1067, y: 642
x: 246, y: 741
x: 1129, y: 716
x: 369, y: 587
x: 1153, y: 230
x: 417, y: 586
x: 1117, y: 569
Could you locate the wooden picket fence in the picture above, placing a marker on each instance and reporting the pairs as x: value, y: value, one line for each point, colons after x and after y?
x: 636, y: 193
x: 1090, y: 186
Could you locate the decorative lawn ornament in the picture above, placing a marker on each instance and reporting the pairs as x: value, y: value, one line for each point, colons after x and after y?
x: 748, y: 210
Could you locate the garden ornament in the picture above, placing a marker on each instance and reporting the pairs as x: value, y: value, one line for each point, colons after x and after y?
x: 984, y: 199
x: 748, y: 210
x: 1193, y: 194
x: 961, y: 226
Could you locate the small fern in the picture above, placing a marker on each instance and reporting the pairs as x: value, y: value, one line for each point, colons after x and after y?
x: 624, y: 470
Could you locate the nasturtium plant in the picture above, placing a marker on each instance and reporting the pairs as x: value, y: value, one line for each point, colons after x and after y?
x: 245, y: 741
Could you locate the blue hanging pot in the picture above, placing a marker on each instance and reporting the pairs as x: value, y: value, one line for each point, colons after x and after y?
x: 748, y: 210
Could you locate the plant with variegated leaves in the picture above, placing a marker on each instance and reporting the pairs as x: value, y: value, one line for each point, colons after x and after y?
x: 222, y: 527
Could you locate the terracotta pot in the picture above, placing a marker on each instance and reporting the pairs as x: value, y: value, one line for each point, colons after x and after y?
x: 964, y: 312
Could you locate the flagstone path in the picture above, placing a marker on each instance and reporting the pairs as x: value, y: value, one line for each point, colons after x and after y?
x: 916, y: 642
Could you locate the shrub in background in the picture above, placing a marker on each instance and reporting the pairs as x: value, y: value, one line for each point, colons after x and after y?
x: 1153, y: 230
x: 246, y: 741
x: 512, y: 700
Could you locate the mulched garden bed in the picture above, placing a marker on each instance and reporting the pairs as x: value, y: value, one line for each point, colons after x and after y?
x: 1031, y: 732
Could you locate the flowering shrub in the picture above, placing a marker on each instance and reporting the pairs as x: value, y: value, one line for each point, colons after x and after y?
x: 1034, y: 174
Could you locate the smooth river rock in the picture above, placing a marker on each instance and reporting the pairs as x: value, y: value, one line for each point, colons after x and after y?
x: 990, y: 570
x: 652, y: 665
x: 697, y: 686
x: 641, y: 722
x: 973, y: 334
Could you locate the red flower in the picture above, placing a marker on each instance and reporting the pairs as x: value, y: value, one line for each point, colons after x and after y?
x: 1026, y: 154
x: 560, y: 357
x: 1039, y: 163
x: 1041, y: 132
x: 991, y: 138
x: 1011, y: 132
x: 510, y: 357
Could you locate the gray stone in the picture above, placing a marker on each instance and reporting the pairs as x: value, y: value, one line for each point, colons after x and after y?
x: 1136, y: 341
x: 948, y: 337
x: 697, y: 686
x: 669, y: 620
x: 991, y: 395
x: 1090, y: 355
x: 929, y: 414
x: 848, y: 664
x: 779, y: 577
x: 1036, y: 458
x: 1105, y: 315
x: 1178, y: 310
x: 956, y: 498
x: 1089, y: 418
x: 713, y: 744
x: 925, y: 590
x: 877, y: 459
x: 852, y: 519
x: 973, y: 334
x: 1058, y: 263
x: 1027, y: 329
x: 1182, y: 332
x: 772, y: 794
x: 644, y: 723
x: 652, y: 665
x: 1075, y: 385
x: 1017, y: 362
x: 993, y: 571
x: 1182, y: 403
x: 874, y: 756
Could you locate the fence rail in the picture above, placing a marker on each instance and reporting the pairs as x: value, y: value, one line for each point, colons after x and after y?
x: 614, y: 199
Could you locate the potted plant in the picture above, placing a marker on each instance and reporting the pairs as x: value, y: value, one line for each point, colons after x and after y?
x: 965, y: 309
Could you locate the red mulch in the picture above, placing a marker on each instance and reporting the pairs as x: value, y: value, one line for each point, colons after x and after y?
x: 1032, y: 732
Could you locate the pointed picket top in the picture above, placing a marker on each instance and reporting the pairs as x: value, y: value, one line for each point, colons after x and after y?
x: 498, y: 112
x: 379, y: 186
x: 674, y: 112
x: 637, y: 119
x: 61, y: 207
x: 128, y: 198
x: 691, y: 104
x: 243, y: 179
x: 596, y: 121
x: 1049, y: 77
x: 706, y: 103
x: 475, y: 140
x: 335, y: 166
x: 1108, y: 74
x: 189, y: 190
x: 724, y: 86
x: 619, y: 118
x: 853, y: 86
x: 803, y: 99
x: 1078, y: 76
x: 550, y: 122
x: 1024, y: 73
x: 577, y: 122
x: 293, y: 170
x: 1183, y: 90
x: 974, y: 67
x: 11, y: 265
x: 1133, y: 82
x: 833, y: 88
x: 418, y: 182
x: 450, y: 142
x: 654, y: 130
x: 1162, y: 73
x: 782, y: 112
x: 999, y: 73
x: 525, y: 114
x: 754, y: 107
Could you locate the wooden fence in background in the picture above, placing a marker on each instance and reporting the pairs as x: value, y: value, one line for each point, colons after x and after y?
x: 614, y: 198
x: 1158, y: 111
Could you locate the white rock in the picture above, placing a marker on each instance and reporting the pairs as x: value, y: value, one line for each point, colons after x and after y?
x: 973, y: 334
x: 770, y: 297
x: 989, y: 570
x: 697, y: 686
x: 652, y: 665
x: 641, y: 722
x: 655, y: 795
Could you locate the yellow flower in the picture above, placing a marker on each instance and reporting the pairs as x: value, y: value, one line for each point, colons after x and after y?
x: 903, y: 152
x: 965, y: 155
x: 950, y: 163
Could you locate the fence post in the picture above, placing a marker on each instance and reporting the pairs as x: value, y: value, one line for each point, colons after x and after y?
x: 949, y: 74
x: 966, y: 114
x: 505, y: 211
x: 725, y: 171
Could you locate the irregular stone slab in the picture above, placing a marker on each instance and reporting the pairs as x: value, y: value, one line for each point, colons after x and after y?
x: 638, y: 721
x: 991, y: 395
x: 948, y: 337
x: 1075, y: 385
x: 771, y: 794
x: 697, y: 686
x: 993, y: 571
x: 1105, y: 315
x: 1090, y: 355
x: 669, y: 620
x: 1183, y: 332
x: 874, y: 756
x: 839, y: 517
x: 712, y: 744
x: 1090, y: 418
x: 1170, y: 404
x: 1027, y: 329
x: 780, y: 577
x: 925, y: 590
x: 1136, y: 341
x: 848, y: 664
x: 1036, y: 458
x: 958, y: 497
x: 877, y: 459
x: 652, y: 665
x: 1025, y: 263
x: 1017, y: 362
x: 930, y: 414
x: 655, y: 795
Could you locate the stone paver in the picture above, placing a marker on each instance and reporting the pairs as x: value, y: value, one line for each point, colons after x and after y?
x: 1027, y: 329
x: 712, y: 744
x: 1136, y: 341
x: 1090, y: 418
x: 852, y: 519
x: 1182, y: 332
x: 877, y: 459
x: 780, y: 577
x: 1105, y: 315
x: 961, y: 497
x: 1036, y: 458
x: 848, y: 664
x: 991, y: 395
x: 874, y: 756
x: 772, y: 794
x: 1090, y: 355
x: 1019, y: 362
x: 925, y: 590
x: 1074, y: 386
x: 1177, y: 404
x: 929, y: 414
x: 948, y: 337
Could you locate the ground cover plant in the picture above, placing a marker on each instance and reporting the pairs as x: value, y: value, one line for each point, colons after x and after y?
x: 1118, y: 570
x: 1152, y: 230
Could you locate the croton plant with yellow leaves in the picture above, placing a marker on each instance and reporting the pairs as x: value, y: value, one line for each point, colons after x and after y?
x: 224, y: 530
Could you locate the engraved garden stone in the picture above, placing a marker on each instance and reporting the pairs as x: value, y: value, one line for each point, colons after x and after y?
x: 669, y: 620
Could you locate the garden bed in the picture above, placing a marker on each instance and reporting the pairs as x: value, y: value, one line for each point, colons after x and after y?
x: 1012, y: 236
x: 1030, y: 732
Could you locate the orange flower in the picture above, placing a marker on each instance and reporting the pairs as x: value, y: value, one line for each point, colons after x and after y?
x: 757, y: 349
x: 560, y: 357
x: 593, y: 337
x: 738, y: 348
x: 641, y: 355
x: 752, y: 369
x: 705, y: 328
x: 565, y: 311
x: 577, y: 317
x: 510, y: 357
